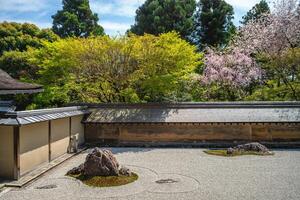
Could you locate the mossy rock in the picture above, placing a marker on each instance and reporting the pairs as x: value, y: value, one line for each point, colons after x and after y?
x: 106, y: 181
x: 223, y: 152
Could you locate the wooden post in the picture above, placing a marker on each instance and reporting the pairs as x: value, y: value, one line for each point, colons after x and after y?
x: 16, y: 152
x: 84, y: 132
x: 49, y: 140
x: 70, y: 127
x: 250, y: 131
x: 70, y: 147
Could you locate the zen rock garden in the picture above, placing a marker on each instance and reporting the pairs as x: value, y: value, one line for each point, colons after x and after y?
x: 168, y: 173
x: 101, y: 169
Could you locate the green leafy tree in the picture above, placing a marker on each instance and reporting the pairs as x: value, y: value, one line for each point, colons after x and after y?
x: 256, y: 12
x: 168, y: 63
x: 16, y: 64
x: 126, y: 69
x: 17, y: 36
x: 76, y: 19
x: 282, y: 73
x: 213, y: 24
x: 162, y: 16
x: 15, y: 39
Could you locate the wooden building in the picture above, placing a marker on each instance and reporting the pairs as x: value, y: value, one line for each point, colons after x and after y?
x: 8, y: 85
x: 29, y: 139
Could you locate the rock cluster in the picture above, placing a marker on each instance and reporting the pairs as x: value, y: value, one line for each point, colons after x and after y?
x: 254, y: 146
x: 76, y: 170
x: 100, y: 163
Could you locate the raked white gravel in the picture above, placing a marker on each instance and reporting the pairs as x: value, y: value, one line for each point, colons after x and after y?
x: 195, y: 175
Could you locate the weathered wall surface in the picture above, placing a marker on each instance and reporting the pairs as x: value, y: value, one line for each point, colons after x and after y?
x: 77, y: 128
x: 60, y: 133
x: 33, y: 146
x: 193, y: 132
x: 6, y: 152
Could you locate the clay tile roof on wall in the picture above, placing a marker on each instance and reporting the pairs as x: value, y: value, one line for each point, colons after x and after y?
x: 33, y: 116
x: 198, y: 113
x: 8, y: 85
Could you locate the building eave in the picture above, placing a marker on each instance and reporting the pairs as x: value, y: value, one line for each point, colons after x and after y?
x: 19, y: 91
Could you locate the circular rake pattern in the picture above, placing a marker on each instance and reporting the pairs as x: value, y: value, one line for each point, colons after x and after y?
x: 174, y: 183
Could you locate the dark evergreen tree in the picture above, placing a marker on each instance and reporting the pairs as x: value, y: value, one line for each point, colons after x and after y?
x: 161, y: 16
x: 213, y: 24
x: 76, y: 19
x: 256, y: 12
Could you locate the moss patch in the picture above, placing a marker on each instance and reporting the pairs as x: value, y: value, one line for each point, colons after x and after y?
x: 223, y: 152
x: 106, y: 181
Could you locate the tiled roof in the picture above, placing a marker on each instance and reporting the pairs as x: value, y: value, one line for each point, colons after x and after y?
x: 197, y: 113
x: 8, y: 85
x: 28, y: 117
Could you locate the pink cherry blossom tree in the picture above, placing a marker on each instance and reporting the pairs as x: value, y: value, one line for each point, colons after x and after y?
x: 233, y: 68
x: 273, y: 33
x: 236, y: 65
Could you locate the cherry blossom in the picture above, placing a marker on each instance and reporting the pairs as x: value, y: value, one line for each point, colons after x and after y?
x: 274, y: 32
x: 231, y: 68
x: 271, y: 34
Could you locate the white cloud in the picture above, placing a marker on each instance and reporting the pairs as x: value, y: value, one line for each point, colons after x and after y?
x: 41, y: 24
x: 101, y: 8
x: 22, y: 5
x: 124, y: 8
x: 114, y: 26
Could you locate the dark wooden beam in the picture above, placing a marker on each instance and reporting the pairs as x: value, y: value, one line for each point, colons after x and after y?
x: 16, y: 152
x: 70, y: 135
x: 84, y: 132
x: 49, y: 140
x: 70, y: 127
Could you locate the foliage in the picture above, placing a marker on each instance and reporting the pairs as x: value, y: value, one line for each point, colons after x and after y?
x: 126, y: 69
x: 18, y: 37
x: 274, y: 33
x: 282, y: 75
x: 258, y: 11
x: 269, y: 43
x: 15, y: 39
x: 213, y: 24
x: 76, y: 19
x: 233, y: 68
x: 229, y: 74
x: 259, y: 61
x: 157, y: 16
x: 274, y: 40
x: 15, y: 63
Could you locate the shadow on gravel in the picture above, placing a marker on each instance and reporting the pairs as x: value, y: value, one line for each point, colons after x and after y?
x: 283, y: 149
x: 117, y: 150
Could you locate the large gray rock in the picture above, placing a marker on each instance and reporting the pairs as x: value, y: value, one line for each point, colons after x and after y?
x: 76, y: 170
x: 230, y: 151
x: 254, y: 146
x: 125, y: 171
x: 101, y: 163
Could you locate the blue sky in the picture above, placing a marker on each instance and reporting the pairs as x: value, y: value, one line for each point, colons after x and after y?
x: 116, y: 16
